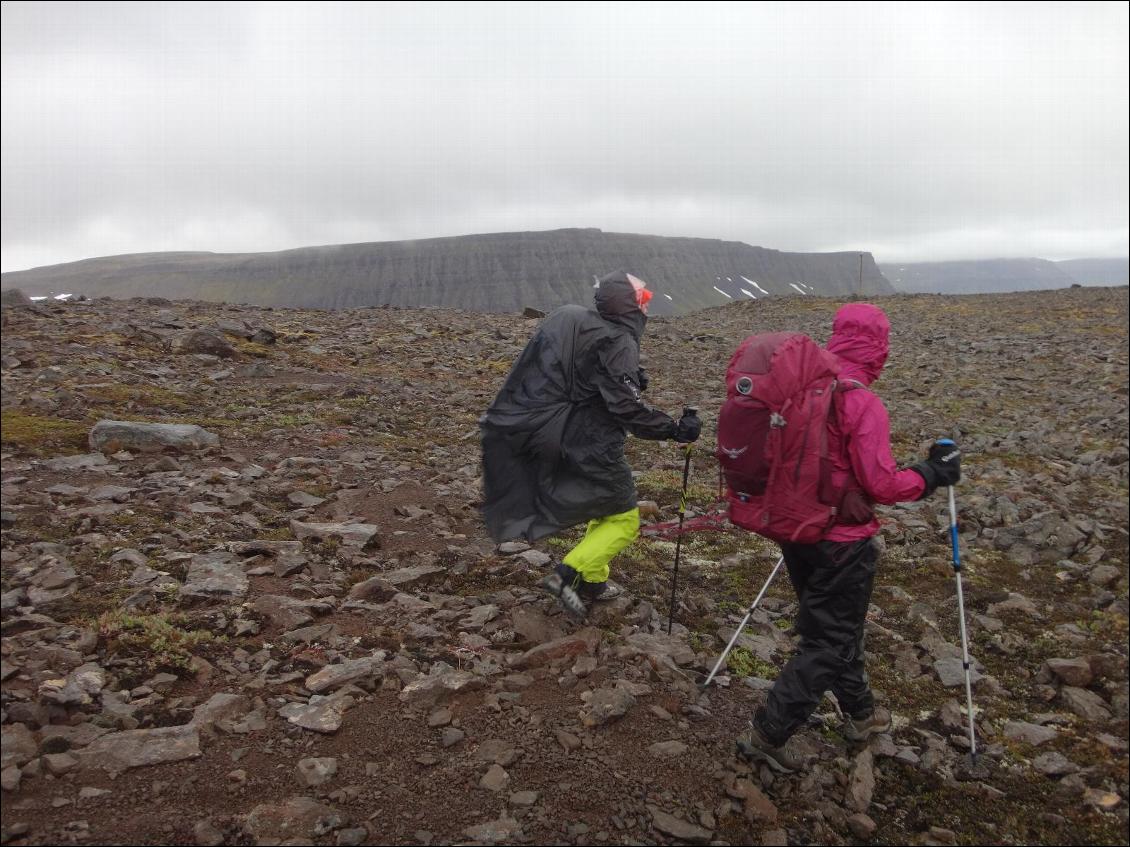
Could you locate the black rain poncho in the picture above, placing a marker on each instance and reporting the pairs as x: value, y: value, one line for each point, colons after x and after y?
x: 553, y: 440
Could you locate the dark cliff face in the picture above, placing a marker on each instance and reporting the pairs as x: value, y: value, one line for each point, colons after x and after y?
x: 485, y: 273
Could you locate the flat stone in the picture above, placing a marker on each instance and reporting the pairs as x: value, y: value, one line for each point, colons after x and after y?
x: 359, y: 535
x: 296, y: 821
x: 1054, y: 764
x: 17, y: 745
x: 1029, y: 733
x: 440, y: 717
x: 215, y: 575
x: 670, y: 825
x: 220, y: 711
x: 533, y: 626
x: 428, y: 689
x: 495, y: 779
x: 304, y: 500
x: 665, y: 749
x: 285, y: 612
x: 321, y: 714
x: 1086, y: 704
x: 524, y: 798
x: 403, y: 578
x: 861, y: 783
x: 1076, y: 672
x: 535, y: 558
x: 77, y: 463
x: 351, y: 670
x: 951, y: 672
x: 494, y: 832
x: 316, y: 771
x: 583, y: 641
x: 111, y: 436
x: 606, y: 704
x: 136, y: 748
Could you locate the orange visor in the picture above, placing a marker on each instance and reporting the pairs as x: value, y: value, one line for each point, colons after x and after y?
x: 643, y: 296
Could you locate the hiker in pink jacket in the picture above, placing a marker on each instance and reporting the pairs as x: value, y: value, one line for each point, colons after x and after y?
x: 833, y: 578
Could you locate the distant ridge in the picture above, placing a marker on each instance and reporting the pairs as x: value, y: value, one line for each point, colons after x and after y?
x: 989, y: 276
x: 500, y: 272
x: 1097, y: 271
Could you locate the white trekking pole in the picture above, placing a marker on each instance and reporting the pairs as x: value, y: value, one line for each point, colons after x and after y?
x: 961, y: 618
x: 741, y: 626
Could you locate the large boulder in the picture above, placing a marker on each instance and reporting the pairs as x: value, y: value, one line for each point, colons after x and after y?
x: 203, y: 341
x: 112, y: 436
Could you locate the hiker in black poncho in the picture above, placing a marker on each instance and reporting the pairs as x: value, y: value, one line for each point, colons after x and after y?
x: 553, y: 439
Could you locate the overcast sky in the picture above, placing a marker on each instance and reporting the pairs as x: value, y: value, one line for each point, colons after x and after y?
x: 920, y: 131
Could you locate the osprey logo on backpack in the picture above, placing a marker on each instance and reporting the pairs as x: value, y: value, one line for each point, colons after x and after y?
x: 773, y: 436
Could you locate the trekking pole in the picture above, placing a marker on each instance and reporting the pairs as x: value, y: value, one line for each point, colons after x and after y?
x: 745, y: 620
x: 961, y: 618
x: 687, y: 410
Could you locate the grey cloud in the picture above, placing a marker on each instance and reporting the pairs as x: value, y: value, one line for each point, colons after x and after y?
x: 918, y: 132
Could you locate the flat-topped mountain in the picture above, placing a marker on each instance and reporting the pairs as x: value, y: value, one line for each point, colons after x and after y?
x: 501, y: 272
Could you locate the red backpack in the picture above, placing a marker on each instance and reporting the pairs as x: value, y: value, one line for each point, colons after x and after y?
x: 773, y: 436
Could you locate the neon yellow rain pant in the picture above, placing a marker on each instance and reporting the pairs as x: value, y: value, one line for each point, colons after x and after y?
x: 604, y: 538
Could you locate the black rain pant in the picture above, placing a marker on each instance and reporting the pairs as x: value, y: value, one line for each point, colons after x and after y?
x: 833, y: 582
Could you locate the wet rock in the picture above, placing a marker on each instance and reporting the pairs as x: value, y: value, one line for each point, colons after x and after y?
x: 112, y: 436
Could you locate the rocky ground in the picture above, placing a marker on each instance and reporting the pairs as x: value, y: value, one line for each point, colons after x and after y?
x: 288, y: 624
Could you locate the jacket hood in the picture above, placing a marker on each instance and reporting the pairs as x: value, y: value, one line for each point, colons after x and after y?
x: 861, y: 338
x: 616, y: 302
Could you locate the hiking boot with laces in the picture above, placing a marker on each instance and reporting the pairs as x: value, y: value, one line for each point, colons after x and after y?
x: 565, y: 595
x: 592, y: 592
x: 753, y: 746
x: 860, y: 729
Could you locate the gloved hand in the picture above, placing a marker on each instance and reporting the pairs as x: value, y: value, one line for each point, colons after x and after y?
x: 688, y: 428
x: 941, y: 468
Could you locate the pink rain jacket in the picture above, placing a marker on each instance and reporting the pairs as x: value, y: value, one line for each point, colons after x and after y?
x: 862, y: 432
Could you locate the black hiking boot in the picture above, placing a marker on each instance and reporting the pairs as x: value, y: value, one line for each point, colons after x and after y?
x: 592, y: 592
x: 753, y: 746
x: 566, y: 596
